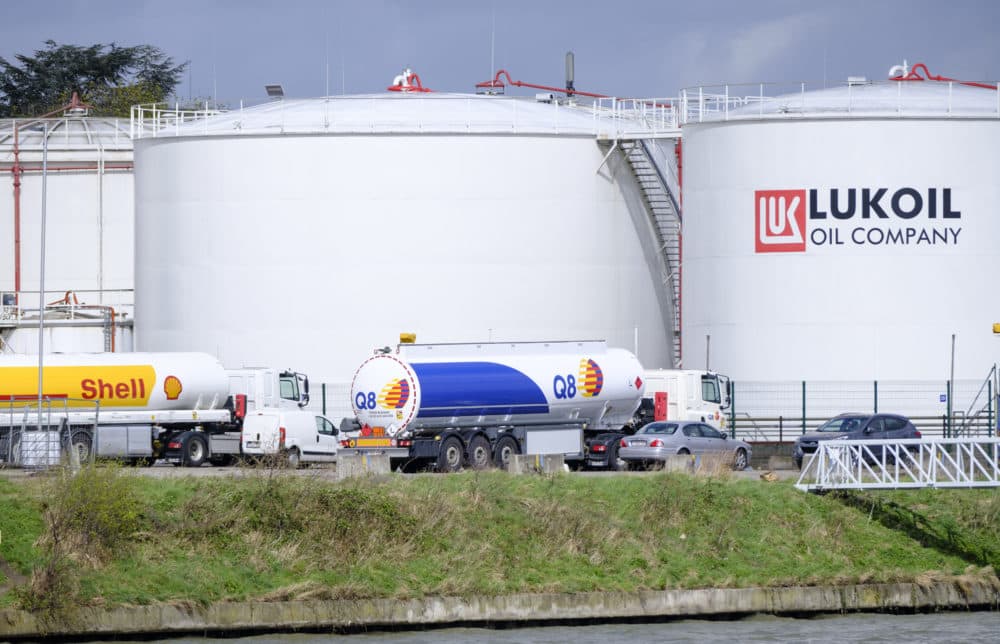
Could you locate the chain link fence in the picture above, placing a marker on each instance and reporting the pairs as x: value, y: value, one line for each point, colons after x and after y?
x: 779, y: 411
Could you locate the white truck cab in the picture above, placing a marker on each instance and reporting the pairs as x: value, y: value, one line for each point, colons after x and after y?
x: 686, y: 394
x: 299, y: 436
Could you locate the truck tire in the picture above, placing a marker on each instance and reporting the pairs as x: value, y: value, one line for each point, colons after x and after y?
x: 480, y: 456
x: 194, y: 451
x: 293, y: 457
x: 83, y: 443
x: 451, y: 456
x: 615, y: 464
x: 506, y: 447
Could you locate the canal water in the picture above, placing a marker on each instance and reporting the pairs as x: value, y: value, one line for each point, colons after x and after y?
x: 979, y: 627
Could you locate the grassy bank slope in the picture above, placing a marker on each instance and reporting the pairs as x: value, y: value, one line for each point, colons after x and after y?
x: 111, y: 536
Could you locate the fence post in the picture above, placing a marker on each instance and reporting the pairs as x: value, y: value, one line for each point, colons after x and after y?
x: 732, y: 406
x: 876, y: 396
x: 989, y: 407
x: 323, y: 388
x: 947, y: 425
x: 803, y: 406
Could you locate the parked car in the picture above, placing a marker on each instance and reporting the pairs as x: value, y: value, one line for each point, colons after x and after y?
x: 298, y: 436
x: 855, y: 426
x: 656, y: 442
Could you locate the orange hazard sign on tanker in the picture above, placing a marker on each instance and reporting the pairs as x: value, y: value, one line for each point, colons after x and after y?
x: 112, y: 386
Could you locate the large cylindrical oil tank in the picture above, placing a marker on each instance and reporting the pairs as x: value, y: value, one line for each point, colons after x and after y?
x: 85, y: 165
x: 301, y: 233
x: 115, y: 381
x: 843, y: 234
x: 480, y: 385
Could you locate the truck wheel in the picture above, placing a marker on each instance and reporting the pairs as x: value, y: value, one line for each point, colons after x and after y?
x: 293, y: 457
x: 505, y: 449
x: 480, y: 455
x: 194, y: 451
x: 82, y: 443
x: 615, y: 464
x: 451, y: 455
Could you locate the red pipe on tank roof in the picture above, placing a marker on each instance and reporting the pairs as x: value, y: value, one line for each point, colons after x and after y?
x: 914, y: 76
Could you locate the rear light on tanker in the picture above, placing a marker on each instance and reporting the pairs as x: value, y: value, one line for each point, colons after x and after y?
x: 405, y: 442
x: 240, y: 406
x: 174, y: 445
x: 598, y: 448
x: 656, y: 442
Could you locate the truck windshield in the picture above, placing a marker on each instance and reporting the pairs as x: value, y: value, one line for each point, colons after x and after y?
x: 710, y: 389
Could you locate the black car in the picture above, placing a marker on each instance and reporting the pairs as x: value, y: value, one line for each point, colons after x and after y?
x: 854, y: 427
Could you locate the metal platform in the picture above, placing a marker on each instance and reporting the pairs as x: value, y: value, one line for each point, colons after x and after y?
x: 900, y: 464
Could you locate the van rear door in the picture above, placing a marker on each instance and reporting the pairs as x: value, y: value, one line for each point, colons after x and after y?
x: 260, y: 434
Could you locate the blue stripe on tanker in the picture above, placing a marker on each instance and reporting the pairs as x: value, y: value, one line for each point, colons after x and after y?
x: 476, y: 389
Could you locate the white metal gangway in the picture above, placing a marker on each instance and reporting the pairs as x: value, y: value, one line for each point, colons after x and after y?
x: 898, y: 464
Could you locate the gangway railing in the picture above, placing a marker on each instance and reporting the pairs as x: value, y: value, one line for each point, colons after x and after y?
x: 900, y: 464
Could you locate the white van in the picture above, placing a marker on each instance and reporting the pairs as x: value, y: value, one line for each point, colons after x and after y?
x: 300, y: 436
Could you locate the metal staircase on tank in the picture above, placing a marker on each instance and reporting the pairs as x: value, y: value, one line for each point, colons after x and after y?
x: 664, y: 210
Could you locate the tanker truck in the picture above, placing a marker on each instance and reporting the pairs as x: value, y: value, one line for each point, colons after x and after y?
x: 450, y: 406
x: 183, y: 407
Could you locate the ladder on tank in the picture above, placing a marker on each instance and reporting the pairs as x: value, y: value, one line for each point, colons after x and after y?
x: 660, y: 200
x: 899, y: 464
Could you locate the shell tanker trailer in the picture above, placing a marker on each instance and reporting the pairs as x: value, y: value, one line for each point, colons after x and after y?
x: 184, y: 407
x: 475, y: 405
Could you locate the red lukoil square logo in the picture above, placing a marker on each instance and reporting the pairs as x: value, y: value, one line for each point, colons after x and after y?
x: 781, y: 221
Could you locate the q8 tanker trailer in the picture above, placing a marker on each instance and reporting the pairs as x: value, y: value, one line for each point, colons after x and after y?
x: 474, y: 405
x: 183, y: 407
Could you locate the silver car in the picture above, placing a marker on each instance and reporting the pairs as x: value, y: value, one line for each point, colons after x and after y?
x: 657, y: 441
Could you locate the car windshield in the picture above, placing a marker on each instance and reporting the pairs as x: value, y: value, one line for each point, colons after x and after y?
x: 659, y: 428
x: 841, y: 424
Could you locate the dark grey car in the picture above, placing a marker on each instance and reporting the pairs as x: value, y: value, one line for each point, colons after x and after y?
x: 855, y: 426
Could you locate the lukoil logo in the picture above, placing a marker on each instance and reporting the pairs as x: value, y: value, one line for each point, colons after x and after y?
x: 885, y: 217
x: 781, y: 221
x: 395, y: 394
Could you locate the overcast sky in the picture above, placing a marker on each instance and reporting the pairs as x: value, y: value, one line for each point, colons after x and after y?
x: 638, y: 48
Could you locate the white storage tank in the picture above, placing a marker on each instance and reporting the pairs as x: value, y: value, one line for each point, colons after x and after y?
x: 88, y: 232
x: 842, y: 234
x: 303, y: 233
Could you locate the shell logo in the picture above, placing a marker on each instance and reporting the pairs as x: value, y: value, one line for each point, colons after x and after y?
x: 172, y: 387
x: 591, y: 379
x: 395, y: 395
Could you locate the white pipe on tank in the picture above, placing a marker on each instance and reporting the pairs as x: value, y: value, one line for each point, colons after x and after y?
x: 100, y: 223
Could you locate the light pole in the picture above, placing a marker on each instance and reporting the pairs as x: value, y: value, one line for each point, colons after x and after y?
x: 41, y: 272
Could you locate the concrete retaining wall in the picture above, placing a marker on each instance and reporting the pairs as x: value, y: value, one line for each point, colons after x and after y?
x: 370, y: 614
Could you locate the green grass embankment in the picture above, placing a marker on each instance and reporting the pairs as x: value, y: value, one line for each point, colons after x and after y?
x: 110, y: 536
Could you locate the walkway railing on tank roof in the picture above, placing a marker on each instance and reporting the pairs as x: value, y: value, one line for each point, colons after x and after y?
x: 855, y: 98
x: 609, y: 118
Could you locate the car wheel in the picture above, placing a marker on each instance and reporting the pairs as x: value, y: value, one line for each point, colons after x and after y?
x: 451, y: 456
x: 293, y: 457
x: 479, y: 453
x: 741, y: 461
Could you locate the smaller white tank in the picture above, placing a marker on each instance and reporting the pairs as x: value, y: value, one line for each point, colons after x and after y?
x: 489, y: 384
